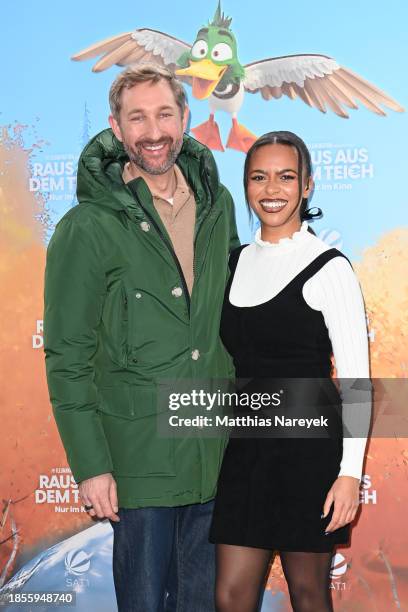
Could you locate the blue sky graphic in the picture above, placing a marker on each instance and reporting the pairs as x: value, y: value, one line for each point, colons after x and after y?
x: 40, y: 80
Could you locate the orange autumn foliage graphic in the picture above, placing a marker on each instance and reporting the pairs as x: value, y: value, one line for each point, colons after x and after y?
x: 30, y: 443
x: 383, y: 277
x: 377, y: 561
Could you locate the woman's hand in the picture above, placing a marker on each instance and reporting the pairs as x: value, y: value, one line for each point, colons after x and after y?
x: 345, y: 494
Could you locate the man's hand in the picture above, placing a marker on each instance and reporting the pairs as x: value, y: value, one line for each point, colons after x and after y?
x: 100, y: 492
x: 345, y: 496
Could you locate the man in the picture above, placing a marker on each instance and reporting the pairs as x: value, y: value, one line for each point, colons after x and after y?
x: 135, y: 279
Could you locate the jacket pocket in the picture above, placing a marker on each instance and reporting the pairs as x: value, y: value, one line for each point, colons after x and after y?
x: 156, y: 323
x: 129, y: 418
x: 115, y: 324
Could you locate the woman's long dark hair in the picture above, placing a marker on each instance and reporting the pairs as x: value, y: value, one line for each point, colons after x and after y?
x: 304, y: 166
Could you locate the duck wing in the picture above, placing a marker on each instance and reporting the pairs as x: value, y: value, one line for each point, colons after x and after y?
x: 318, y: 80
x: 143, y: 45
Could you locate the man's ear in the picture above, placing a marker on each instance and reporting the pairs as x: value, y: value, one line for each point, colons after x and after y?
x: 186, y: 116
x: 115, y: 127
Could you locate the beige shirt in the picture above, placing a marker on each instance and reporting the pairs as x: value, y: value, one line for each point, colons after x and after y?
x: 179, y: 220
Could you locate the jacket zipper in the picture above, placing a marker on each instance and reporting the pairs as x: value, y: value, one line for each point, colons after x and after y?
x: 125, y: 304
x: 202, y: 223
x: 194, y: 246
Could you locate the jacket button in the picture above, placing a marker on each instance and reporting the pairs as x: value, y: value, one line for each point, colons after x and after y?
x: 138, y: 295
x: 177, y: 291
x: 195, y: 354
x: 145, y: 226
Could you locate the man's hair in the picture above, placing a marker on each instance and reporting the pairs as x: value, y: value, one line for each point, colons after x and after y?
x: 142, y: 73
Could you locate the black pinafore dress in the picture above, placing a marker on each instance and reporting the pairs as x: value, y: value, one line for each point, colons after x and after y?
x: 271, y: 491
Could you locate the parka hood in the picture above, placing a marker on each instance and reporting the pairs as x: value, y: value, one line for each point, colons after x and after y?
x: 101, y: 164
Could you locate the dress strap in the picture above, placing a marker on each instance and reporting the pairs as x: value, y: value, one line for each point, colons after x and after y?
x: 317, y: 264
x: 234, y: 256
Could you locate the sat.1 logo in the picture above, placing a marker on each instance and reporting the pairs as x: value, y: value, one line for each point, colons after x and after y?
x: 77, y: 563
x: 338, y: 568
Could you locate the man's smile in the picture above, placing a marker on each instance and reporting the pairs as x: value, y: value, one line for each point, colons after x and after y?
x: 153, y: 148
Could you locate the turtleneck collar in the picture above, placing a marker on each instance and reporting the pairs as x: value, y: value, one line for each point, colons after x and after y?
x: 285, y: 244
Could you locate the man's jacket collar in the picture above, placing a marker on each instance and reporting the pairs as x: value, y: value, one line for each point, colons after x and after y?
x: 101, y: 164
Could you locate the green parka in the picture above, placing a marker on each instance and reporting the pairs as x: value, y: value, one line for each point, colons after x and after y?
x: 114, y: 326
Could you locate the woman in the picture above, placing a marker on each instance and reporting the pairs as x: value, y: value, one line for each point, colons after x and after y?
x: 291, y: 303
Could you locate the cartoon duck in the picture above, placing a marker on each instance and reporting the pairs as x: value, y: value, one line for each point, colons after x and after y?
x: 217, y: 74
x: 212, y: 67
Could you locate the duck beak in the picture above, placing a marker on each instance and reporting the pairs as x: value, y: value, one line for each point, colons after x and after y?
x: 206, y: 77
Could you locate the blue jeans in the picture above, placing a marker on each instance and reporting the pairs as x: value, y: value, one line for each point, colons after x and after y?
x: 162, y: 559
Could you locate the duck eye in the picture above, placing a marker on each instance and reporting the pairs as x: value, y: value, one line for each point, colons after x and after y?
x: 221, y: 52
x: 199, y: 49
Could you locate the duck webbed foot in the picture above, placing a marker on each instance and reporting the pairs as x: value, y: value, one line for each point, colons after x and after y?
x: 240, y: 138
x: 208, y: 133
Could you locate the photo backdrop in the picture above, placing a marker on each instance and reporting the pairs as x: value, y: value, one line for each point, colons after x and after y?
x: 50, y: 107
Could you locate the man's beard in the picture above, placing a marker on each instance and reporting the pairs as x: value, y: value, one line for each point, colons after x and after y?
x: 136, y: 156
